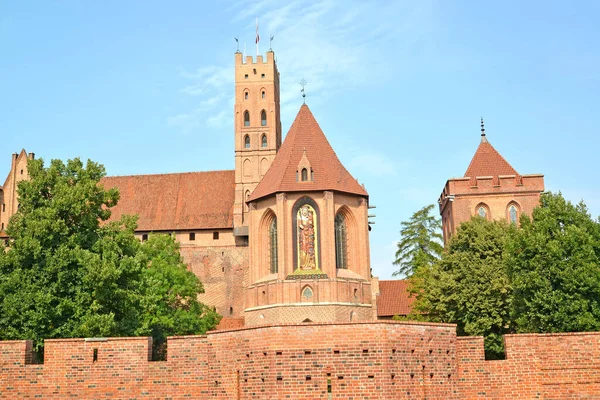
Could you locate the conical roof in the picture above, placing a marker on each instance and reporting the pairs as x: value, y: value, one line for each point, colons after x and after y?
x: 304, y: 142
x: 488, y: 162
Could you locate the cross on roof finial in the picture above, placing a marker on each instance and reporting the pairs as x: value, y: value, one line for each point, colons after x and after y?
x: 482, y: 128
x: 303, y: 83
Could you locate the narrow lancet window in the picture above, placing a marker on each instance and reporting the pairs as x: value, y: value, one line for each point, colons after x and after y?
x: 273, y: 246
x: 263, y: 118
x: 246, y: 118
x: 341, y: 242
x: 264, y: 141
x: 513, y: 214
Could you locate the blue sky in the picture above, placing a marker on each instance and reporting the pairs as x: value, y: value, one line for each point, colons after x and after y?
x: 398, y: 87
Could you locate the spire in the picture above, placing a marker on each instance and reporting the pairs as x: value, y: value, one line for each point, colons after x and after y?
x: 483, y: 138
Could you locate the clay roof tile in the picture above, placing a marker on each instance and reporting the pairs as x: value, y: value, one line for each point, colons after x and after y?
x: 488, y: 162
x: 181, y: 201
x: 394, y: 298
x: 306, y: 141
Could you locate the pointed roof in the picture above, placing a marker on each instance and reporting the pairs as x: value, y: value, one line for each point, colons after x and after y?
x: 306, y: 141
x: 488, y: 162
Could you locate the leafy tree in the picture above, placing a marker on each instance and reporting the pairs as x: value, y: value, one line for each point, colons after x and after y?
x: 420, y: 243
x: 68, y: 273
x: 554, y: 263
x: 469, y: 286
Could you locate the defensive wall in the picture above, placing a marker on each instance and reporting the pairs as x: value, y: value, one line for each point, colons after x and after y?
x: 366, y: 360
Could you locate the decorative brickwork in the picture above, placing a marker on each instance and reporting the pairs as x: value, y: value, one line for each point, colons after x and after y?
x: 376, y: 360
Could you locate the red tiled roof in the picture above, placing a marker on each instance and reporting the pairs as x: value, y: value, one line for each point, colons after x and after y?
x: 227, y: 323
x: 191, y: 200
x: 488, y: 162
x: 394, y: 298
x: 329, y: 173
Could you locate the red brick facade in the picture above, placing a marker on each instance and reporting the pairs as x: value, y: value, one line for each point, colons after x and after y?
x: 373, y: 360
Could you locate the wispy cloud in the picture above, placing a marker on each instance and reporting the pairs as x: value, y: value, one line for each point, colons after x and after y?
x: 332, y: 45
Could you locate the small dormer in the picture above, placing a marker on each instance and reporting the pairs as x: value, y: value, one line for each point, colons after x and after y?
x: 304, y: 172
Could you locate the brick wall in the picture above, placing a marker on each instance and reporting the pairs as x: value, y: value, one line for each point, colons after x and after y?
x: 375, y: 360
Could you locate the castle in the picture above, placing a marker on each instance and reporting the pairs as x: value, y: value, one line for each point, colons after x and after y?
x: 284, y: 237
x: 281, y: 244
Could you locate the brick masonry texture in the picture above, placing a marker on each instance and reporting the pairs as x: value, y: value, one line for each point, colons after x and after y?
x: 373, y: 360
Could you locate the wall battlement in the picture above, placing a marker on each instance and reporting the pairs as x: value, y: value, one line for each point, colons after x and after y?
x: 366, y: 360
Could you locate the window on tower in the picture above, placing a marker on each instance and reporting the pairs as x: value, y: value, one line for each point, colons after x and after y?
x: 246, y: 118
x: 263, y: 141
x: 273, y: 246
x: 263, y: 118
x: 246, y: 95
x: 263, y: 94
x: 341, y: 249
x: 247, y: 142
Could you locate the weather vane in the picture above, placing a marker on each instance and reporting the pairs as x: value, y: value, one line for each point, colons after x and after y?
x: 271, y: 43
x: 303, y: 83
x: 238, y: 45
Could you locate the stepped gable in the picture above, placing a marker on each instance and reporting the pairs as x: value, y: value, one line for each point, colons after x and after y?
x: 306, y: 141
x: 394, y: 298
x: 181, y: 201
x: 488, y: 162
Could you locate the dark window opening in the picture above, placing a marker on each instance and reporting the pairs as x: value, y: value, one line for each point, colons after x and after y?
x: 273, y: 246
x: 215, y: 235
x: 304, y: 174
x: 341, y: 243
x: 246, y: 76
x: 263, y: 118
x: 254, y: 71
x: 95, y: 356
x: 192, y: 236
x: 264, y: 141
x: 144, y: 237
x: 230, y: 310
x: 21, y: 172
x: 245, y: 95
x: 263, y: 94
x: 262, y: 75
x: 247, y: 142
x: 246, y: 118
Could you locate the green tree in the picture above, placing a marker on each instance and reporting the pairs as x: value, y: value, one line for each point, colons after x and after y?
x: 69, y: 273
x: 554, y: 263
x: 469, y: 286
x: 420, y: 242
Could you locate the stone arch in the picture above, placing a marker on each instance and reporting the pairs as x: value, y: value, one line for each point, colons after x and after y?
x: 268, y: 250
x: 513, y: 212
x: 351, y: 238
x: 483, y: 210
x: 264, y: 166
x: 247, y: 167
x: 307, y: 292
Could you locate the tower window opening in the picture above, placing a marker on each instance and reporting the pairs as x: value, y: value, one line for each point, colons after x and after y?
x: 262, y: 75
x: 246, y: 118
x: 263, y: 118
x: 144, y: 237
x: 254, y: 71
x: 304, y: 174
x: 246, y: 76
x: 247, y: 142
x: 246, y: 95
x: 192, y: 236
x: 215, y: 235
x: 263, y: 94
x: 264, y: 141
x: 341, y: 242
x: 273, y: 246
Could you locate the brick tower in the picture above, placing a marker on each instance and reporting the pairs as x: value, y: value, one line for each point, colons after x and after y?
x: 491, y: 188
x: 9, y: 202
x: 257, y: 128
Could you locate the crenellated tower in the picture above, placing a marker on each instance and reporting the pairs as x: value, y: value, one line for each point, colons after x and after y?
x: 257, y: 126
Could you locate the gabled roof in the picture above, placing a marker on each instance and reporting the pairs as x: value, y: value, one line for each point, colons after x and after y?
x: 394, y: 298
x: 183, y: 201
x: 488, y: 162
x: 305, y: 137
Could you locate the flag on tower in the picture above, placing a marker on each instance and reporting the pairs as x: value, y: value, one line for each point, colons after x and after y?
x: 257, y: 36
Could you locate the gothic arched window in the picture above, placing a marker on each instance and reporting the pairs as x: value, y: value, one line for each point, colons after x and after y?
x: 247, y: 142
x: 483, y: 211
x: 246, y: 95
x: 513, y: 214
x: 273, y: 246
x: 263, y: 118
x: 246, y: 118
x: 263, y: 94
x: 304, y: 174
x: 341, y: 242
x: 263, y: 141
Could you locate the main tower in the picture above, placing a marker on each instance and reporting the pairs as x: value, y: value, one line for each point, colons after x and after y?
x: 257, y: 126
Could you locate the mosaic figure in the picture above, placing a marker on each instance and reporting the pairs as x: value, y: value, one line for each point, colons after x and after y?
x: 307, y: 259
